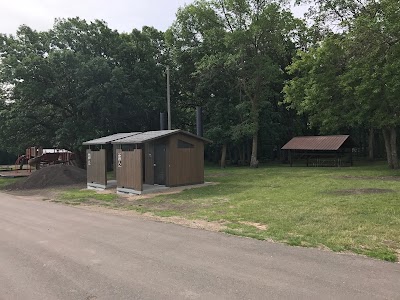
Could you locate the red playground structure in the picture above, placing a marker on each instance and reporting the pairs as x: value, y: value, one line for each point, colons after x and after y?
x: 37, y: 157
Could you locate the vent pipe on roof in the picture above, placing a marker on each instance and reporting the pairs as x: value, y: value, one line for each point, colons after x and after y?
x: 169, y: 101
x: 162, y: 121
x: 199, y: 120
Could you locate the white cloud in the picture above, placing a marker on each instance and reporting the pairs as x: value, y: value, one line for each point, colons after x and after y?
x: 123, y: 15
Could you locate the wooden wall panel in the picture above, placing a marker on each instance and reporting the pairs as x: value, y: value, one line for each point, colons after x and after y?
x: 137, y: 169
x: 185, y: 165
x: 114, y: 151
x: 129, y: 169
x: 149, y: 163
x: 96, y: 166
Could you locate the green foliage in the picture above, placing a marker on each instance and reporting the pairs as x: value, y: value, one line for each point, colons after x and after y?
x: 372, y: 73
x: 7, y: 158
x: 231, y: 56
x: 337, y: 14
x: 78, y: 81
x: 315, y: 89
x: 351, y: 78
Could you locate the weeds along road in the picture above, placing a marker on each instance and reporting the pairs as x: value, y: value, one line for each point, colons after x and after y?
x: 51, y: 251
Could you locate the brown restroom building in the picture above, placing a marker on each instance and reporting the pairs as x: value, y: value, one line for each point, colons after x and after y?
x: 153, y: 160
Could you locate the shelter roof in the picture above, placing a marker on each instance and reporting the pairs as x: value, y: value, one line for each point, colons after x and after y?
x: 56, y: 151
x: 110, y: 138
x: 327, y: 143
x: 154, y: 135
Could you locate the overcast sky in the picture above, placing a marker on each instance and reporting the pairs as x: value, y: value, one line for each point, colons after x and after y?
x: 123, y: 15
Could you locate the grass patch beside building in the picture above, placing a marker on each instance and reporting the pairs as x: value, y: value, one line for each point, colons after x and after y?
x: 353, y: 209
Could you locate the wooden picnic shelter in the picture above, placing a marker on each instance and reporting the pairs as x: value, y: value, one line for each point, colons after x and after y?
x: 321, y: 151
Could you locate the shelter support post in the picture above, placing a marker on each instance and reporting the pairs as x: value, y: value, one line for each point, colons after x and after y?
x: 351, y: 157
x: 307, y: 157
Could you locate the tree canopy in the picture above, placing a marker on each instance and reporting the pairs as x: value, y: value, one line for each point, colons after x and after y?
x: 235, y: 54
x: 351, y: 78
x: 77, y: 81
x: 261, y: 75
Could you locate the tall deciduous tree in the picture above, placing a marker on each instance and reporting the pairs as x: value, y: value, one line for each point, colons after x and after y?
x: 77, y: 81
x: 352, y: 77
x: 253, y: 40
x: 372, y: 73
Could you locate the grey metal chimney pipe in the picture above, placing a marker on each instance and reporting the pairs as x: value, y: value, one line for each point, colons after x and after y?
x: 199, y: 120
x: 162, y: 121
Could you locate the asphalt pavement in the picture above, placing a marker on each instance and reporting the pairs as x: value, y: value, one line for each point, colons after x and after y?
x: 52, y: 251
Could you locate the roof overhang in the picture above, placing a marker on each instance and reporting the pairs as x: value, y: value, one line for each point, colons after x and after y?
x: 319, y: 143
x: 149, y: 136
x: 110, y: 138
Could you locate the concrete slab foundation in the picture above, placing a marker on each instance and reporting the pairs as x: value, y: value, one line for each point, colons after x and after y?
x: 95, y: 186
x: 147, y: 189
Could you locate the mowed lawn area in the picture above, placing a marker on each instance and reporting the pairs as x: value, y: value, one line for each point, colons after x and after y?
x: 344, y: 209
x: 353, y: 209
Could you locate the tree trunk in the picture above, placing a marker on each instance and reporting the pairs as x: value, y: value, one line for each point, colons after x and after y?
x: 393, y: 148
x: 253, y: 160
x: 371, y: 142
x: 248, y: 151
x: 235, y: 156
x: 242, y: 150
x: 223, y: 156
x: 255, y: 117
x: 388, y: 147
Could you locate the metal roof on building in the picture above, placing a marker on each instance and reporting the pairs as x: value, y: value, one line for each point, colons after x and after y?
x: 110, y: 138
x: 327, y: 143
x: 154, y: 135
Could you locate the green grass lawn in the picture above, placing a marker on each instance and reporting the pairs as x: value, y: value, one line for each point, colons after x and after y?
x: 4, y: 182
x: 76, y: 197
x: 312, y: 207
x: 353, y: 209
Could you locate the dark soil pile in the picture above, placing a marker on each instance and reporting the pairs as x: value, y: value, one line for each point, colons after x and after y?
x: 51, y: 176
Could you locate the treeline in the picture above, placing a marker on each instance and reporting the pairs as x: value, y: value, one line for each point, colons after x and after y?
x: 78, y: 81
x: 351, y: 77
x: 261, y: 75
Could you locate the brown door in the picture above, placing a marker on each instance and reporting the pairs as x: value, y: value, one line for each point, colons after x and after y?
x: 96, y: 166
x: 129, y: 169
x: 160, y: 166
